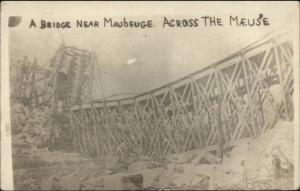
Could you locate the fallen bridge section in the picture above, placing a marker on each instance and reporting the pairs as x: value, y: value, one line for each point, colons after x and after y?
x: 238, y: 97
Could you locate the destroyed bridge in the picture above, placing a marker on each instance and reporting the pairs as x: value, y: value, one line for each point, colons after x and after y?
x: 228, y: 102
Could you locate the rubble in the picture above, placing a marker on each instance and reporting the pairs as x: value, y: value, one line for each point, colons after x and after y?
x: 257, y: 155
x: 29, y: 126
x: 182, y: 171
x: 37, y: 168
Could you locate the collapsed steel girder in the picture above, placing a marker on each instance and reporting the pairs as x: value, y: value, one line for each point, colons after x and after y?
x: 230, y: 100
x: 71, y: 85
x: 64, y: 81
x: 66, y: 77
x: 73, y: 69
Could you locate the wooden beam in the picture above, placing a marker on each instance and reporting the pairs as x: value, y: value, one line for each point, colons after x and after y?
x: 279, y: 70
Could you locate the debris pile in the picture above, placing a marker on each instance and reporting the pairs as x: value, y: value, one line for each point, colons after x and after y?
x: 247, y: 166
x: 254, y: 161
x: 29, y: 127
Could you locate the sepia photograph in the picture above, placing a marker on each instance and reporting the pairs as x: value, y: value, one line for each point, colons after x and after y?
x: 150, y: 95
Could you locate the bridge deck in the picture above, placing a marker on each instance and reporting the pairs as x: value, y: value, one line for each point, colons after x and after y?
x: 238, y: 97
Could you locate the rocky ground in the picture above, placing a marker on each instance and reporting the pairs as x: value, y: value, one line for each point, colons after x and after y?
x: 37, y: 168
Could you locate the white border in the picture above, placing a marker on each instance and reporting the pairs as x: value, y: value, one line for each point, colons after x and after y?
x: 6, y: 154
x: 296, y: 106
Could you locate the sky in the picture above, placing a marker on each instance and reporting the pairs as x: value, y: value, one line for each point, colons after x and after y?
x: 138, y: 60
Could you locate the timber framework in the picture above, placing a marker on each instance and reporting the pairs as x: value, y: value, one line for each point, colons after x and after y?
x: 227, y: 102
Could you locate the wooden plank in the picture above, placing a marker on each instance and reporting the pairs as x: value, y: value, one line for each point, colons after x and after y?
x: 95, y: 129
x: 279, y: 70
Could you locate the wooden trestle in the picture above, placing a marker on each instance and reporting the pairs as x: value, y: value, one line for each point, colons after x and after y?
x: 235, y: 96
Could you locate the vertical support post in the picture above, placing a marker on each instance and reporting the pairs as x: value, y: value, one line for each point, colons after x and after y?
x: 174, y: 118
x: 78, y: 137
x: 106, y: 124
x: 196, y: 112
x: 73, y: 131
x: 155, y: 127
x: 81, y: 117
x: 246, y: 83
x: 95, y: 128
x: 220, y: 134
x: 139, y: 125
x: 79, y: 133
x: 260, y: 100
x: 279, y: 70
